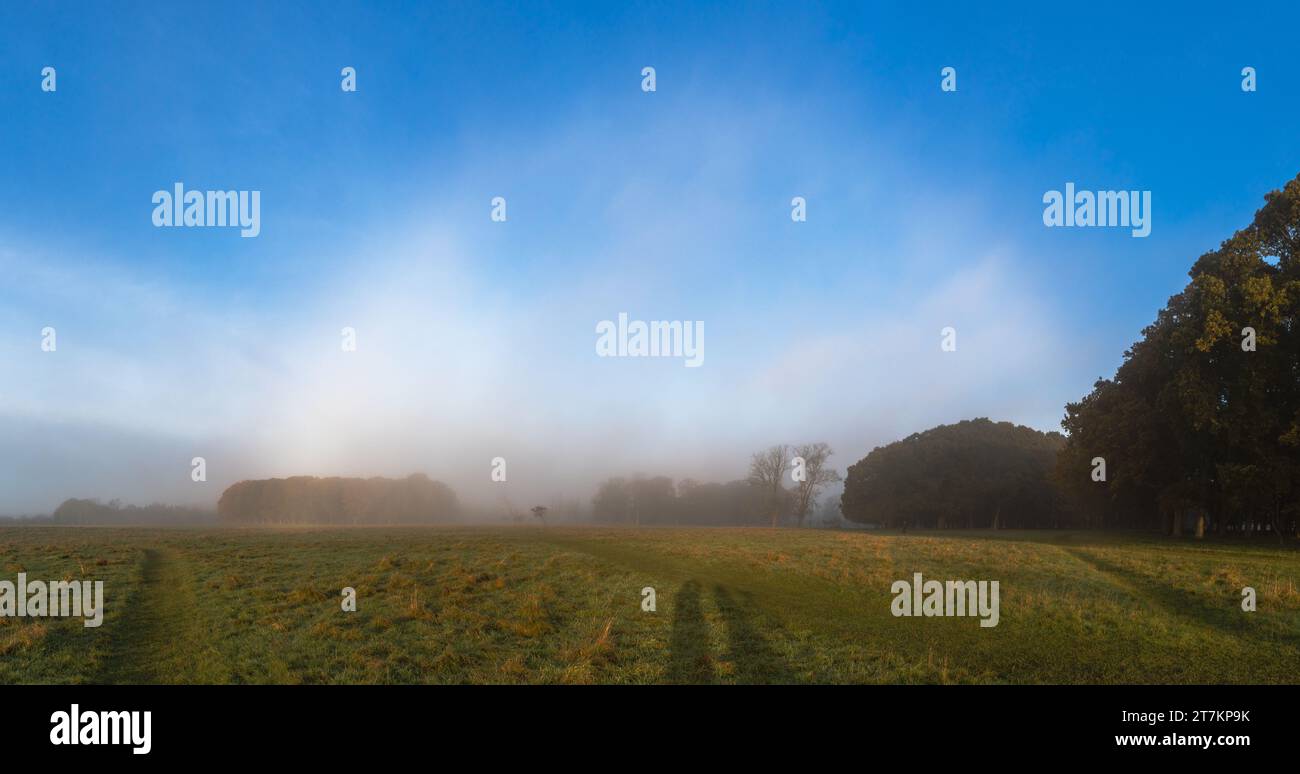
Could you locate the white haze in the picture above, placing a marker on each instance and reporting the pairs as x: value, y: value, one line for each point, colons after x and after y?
x: 459, y: 361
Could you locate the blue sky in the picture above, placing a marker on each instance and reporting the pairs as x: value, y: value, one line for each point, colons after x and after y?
x: 476, y: 338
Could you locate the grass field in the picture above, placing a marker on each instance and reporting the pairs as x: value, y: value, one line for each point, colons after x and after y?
x: 563, y: 605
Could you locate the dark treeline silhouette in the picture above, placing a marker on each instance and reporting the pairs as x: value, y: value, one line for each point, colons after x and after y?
x: 1200, y: 425
x: 976, y: 473
x: 657, y: 500
x: 92, y: 512
x: 416, y: 499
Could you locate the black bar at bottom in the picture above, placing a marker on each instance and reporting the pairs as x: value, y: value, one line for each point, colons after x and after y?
x: 206, y: 724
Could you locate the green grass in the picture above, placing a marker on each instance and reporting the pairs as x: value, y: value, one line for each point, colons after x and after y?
x: 563, y: 605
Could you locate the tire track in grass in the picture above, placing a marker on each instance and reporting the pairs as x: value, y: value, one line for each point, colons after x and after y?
x: 756, y: 610
x: 161, y: 638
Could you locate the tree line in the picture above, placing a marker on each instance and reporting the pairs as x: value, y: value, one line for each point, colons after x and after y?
x: 784, y: 485
x: 74, y: 511
x: 643, y: 501
x: 416, y: 499
x: 1199, y: 429
x: 1200, y: 426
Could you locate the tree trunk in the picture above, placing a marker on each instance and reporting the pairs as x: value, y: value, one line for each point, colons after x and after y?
x: 1277, y: 521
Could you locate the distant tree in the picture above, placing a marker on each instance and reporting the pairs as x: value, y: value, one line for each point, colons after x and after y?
x: 816, y: 475
x: 653, y: 500
x: 75, y: 511
x: 309, y: 500
x: 613, y: 502
x: 735, y: 502
x: 767, y: 471
x: 656, y: 500
x: 539, y: 511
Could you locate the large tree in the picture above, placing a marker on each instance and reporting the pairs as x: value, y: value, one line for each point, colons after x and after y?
x: 767, y: 472
x: 810, y: 477
x: 1203, y: 416
x: 976, y: 473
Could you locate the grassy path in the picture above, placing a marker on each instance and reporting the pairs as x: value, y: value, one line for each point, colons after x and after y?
x: 161, y: 638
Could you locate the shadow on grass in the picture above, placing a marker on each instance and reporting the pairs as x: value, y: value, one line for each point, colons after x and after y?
x: 755, y: 659
x: 748, y: 650
x: 1226, y: 618
x: 689, y: 646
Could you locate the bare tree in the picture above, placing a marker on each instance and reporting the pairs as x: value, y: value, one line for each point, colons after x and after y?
x: 540, y: 512
x: 811, y: 476
x: 767, y: 470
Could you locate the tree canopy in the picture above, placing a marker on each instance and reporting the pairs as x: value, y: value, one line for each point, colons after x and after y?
x: 74, y: 511
x: 1203, y: 415
x: 976, y: 473
x: 658, y: 501
x: 309, y: 500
